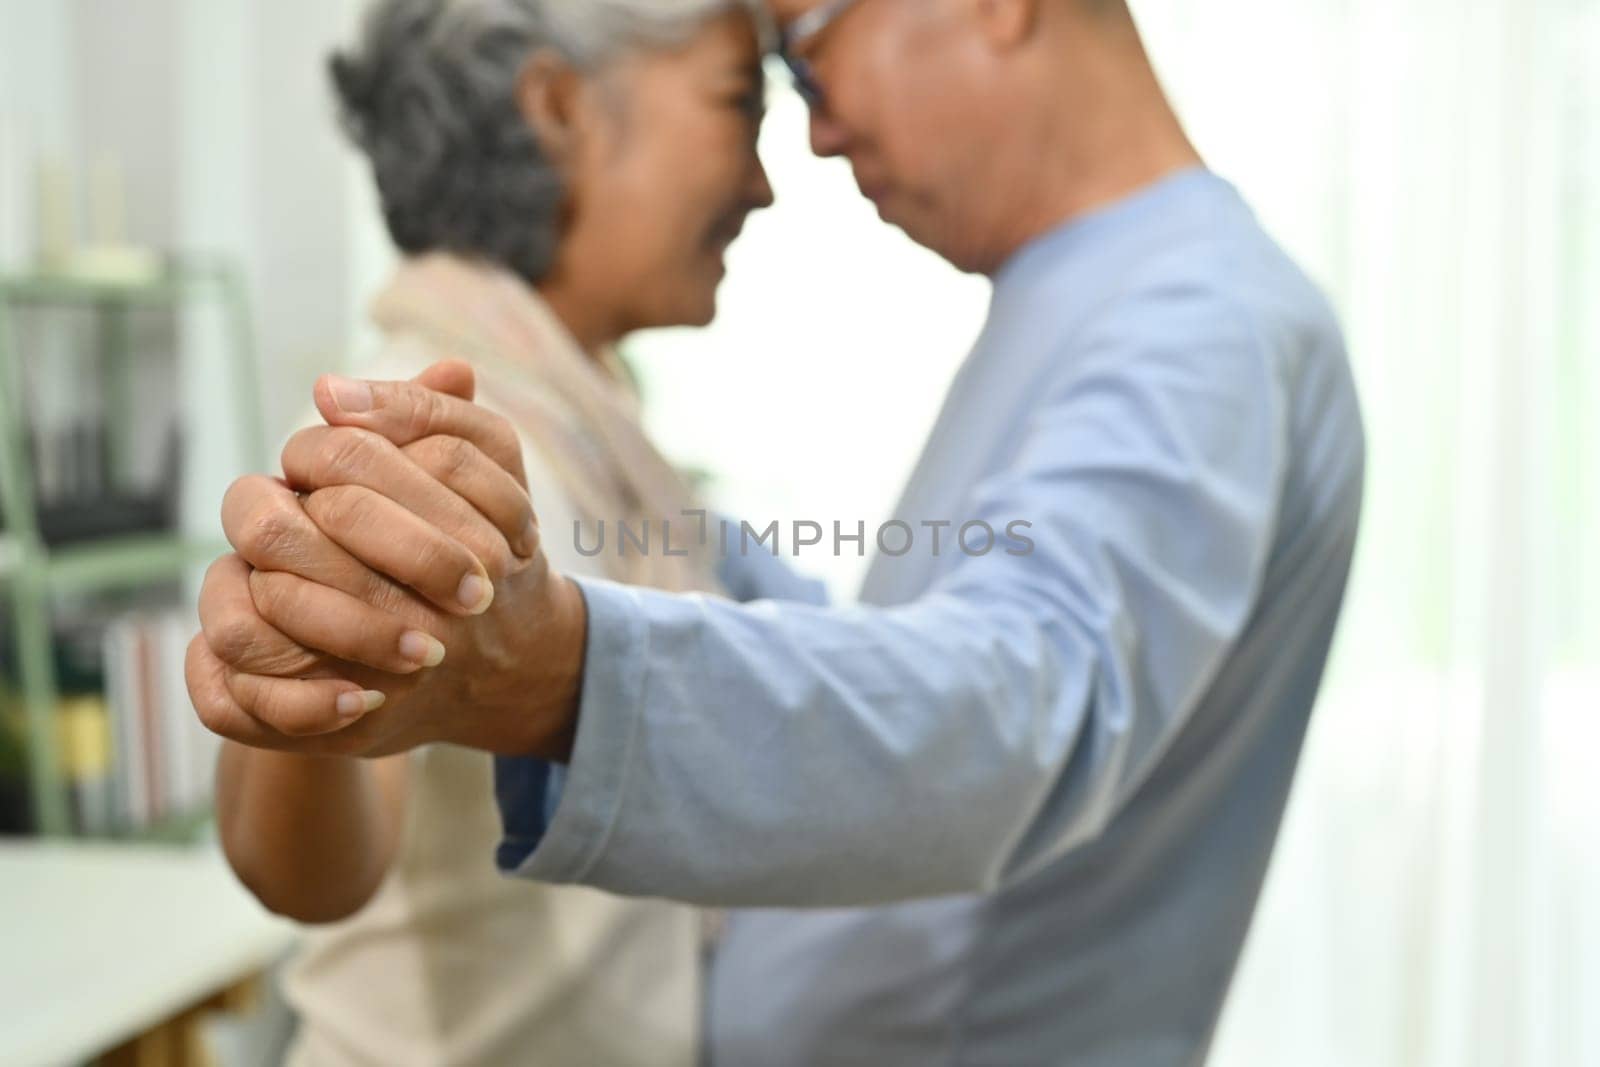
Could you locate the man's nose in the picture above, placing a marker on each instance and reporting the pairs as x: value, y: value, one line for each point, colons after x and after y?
x: 828, y: 136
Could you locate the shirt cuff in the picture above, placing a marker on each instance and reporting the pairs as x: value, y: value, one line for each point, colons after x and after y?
x: 556, y: 819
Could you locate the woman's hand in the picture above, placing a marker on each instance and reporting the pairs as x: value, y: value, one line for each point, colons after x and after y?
x: 403, y: 600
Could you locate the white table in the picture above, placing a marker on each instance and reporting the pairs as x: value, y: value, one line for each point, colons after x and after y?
x: 99, y: 943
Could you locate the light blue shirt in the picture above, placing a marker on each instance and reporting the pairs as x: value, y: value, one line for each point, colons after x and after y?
x: 1023, y: 799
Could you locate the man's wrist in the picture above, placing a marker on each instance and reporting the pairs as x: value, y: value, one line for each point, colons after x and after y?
x: 554, y: 719
x: 535, y: 705
x: 521, y: 698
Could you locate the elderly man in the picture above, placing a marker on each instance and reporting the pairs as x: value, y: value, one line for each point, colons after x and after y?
x: 1035, y: 787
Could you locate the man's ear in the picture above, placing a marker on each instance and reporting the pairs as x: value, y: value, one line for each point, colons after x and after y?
x: 549, y: 92
x: 1006, y: 23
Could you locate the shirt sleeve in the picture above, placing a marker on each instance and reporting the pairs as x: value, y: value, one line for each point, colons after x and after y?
x: 785, y: 754
x: 528, y: 791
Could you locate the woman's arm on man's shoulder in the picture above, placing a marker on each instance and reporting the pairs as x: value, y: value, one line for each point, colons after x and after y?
x: 750, y: 571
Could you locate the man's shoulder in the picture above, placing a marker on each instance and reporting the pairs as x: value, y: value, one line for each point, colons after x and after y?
x: 1235, y: 304
x: 1220, y: 289
x: 1218, y: 311
x: 1232, y: 262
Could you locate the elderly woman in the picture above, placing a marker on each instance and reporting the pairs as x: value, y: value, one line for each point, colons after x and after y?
x: 558, y: 173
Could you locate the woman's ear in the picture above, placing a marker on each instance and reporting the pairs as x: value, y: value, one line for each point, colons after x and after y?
x: 549, y: 95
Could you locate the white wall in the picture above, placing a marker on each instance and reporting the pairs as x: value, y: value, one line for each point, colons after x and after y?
x: 123, y: 64
x: 37, y: 110
x: 263, y: 174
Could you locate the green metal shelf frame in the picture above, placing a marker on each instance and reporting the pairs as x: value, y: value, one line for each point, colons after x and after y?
x: 34, y: 574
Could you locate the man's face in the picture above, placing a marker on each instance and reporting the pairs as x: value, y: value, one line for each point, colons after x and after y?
x: 902, y: 84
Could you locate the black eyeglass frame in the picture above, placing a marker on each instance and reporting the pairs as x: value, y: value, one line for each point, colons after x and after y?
x: 801, y: 32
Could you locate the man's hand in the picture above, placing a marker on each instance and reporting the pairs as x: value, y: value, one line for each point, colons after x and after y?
x: 402, y: 600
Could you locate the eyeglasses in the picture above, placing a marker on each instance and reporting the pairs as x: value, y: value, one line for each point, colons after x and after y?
x: 800, y: 33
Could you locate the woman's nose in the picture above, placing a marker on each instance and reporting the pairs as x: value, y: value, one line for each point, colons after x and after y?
x: 760, y: 190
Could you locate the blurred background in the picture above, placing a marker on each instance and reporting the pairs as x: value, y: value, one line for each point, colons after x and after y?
x: 185, y: 243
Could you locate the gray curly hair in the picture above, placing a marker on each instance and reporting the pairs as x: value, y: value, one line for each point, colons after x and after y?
x: 428, y: 94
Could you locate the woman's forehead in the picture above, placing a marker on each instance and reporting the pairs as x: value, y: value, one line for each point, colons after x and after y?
x: 728, y: 41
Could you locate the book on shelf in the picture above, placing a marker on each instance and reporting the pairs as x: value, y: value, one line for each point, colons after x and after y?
x: 16, y: 805
x: 164, y: 759
x: 132, y: 752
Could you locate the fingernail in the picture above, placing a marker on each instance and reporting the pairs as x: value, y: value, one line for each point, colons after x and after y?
x: 421, y: 649
x: 530, y: 538
x: 351, y: 706
x: 475, y: 594
x: 352, y: 397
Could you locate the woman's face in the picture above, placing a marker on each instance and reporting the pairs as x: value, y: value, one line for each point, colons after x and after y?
x: 661, y: 175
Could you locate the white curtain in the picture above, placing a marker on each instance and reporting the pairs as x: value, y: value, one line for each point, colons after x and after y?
x: 1435, y: 164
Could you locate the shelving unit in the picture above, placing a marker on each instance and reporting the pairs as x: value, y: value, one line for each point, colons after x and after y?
x: 33, y: 574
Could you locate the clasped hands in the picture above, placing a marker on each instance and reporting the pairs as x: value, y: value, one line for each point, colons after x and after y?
x: 390, y: 590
